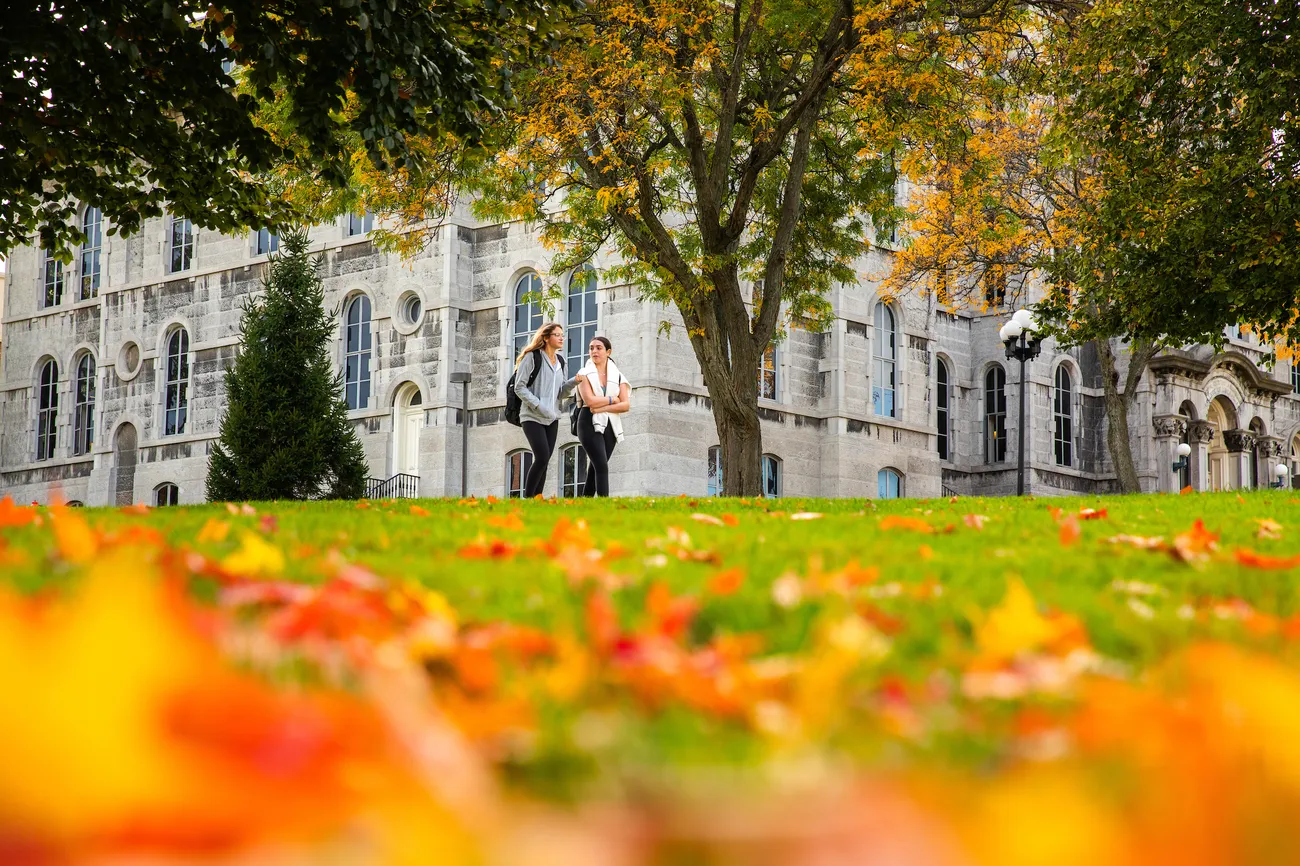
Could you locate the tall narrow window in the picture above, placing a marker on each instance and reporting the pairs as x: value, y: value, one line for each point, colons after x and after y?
x: 92, y: 226
x: 53, y: 272
x: 518, y: 464
x: 889, y: 484
x: 265, y: 242
x: 528, y: 310
x: 995, y: 415
x: 995, y: 286
x: 715, y: 471
x: 886, y: 366
x: 1295, y: 375
x: 359, y: 224
x: 1063, y: 417
x: 771, y: 476
x: 180, y: 245
x: 581, y: 317
x: 83, y: 412
x: 47, y: 411
x: 767, y: 374
x: 177, y: 393
x: 943, y: 396
x: 356, y: 360
x: 573, y: 471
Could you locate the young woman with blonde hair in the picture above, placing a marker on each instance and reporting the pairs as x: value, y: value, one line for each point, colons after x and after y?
x: 541, y: 383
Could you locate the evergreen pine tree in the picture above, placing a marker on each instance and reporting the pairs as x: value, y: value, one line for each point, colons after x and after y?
x: 285, y: 434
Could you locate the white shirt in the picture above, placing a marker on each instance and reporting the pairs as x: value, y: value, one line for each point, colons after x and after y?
x: 614, y: 380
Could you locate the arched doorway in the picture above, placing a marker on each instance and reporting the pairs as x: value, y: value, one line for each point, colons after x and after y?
x: 408, y: 420
x: 124, y: 460
x: 1188, y: 411
x: 1295, y: 460
x: 1261, y: 474
x: 1223, y: 416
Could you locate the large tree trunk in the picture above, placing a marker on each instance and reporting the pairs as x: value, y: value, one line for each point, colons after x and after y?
x: 730, y: 368
x: 1117, y: 405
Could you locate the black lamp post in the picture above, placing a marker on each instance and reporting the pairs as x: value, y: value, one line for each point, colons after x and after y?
x: 1020, y: 336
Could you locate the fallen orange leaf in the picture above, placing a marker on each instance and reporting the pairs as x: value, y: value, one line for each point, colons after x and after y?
x: 1251, y: 559
x: 909, y: 524
x: 727, y: 581
x: 1070, y: 531
x: 15, y: 515
x: 419, y: 512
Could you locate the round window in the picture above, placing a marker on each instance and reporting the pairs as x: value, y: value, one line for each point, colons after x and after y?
x: 128, y: 361
x: 411, y: 309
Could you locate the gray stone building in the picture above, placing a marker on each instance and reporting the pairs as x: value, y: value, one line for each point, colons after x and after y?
x: 112, y: 389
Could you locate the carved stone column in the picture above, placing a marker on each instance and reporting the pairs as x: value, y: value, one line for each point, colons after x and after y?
x: 1241, y: 444
x: 1270, y: 450
x: 1200, y: 434
x: 1169, y: 432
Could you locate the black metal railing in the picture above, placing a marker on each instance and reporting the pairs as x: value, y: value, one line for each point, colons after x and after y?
x: 949, y: 492
x: 400, y: 486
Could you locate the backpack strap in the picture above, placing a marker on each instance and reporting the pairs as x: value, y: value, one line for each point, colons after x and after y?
x: 537, y: 368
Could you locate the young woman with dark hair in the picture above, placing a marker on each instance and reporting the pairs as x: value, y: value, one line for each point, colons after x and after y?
x: 539, y: 413
x: 605, y: 395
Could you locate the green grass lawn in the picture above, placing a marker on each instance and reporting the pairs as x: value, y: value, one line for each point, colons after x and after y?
x: 1048, y: 680
x: 924, y: 592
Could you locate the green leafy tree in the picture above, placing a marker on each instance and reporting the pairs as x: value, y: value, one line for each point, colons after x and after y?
x: 1189, y: 113
x: 286, y: 434
x: 132, y: 105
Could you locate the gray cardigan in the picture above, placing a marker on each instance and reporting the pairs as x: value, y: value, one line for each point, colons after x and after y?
x: 541, y: 405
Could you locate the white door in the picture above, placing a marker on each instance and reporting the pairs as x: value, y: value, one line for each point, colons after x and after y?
x: 409, y: 455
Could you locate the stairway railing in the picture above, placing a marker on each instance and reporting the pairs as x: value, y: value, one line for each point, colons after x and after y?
x: 400, y: 486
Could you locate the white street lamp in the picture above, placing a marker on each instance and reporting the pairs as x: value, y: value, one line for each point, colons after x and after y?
x: 1280, y: 470
x: 1023, y: 344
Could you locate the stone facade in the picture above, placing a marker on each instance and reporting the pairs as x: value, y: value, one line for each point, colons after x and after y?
x: 822, y: 423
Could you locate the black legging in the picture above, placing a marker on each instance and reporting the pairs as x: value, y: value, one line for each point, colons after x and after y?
x: 599, y: 448
x: 542, y: 441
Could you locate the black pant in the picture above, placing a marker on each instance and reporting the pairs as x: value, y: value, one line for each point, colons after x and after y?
x: 599, y: 448
x: 542, y: 441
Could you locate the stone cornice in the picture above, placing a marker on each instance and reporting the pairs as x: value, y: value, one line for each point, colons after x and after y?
x: 1242, y: 367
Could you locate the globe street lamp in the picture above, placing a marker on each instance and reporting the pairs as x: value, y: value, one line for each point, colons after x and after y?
x: 1183, y: 450
x: 1280, y: 470
x: 1020, y: 336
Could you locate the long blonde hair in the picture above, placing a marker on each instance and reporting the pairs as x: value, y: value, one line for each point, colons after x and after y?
x: 538, y: 339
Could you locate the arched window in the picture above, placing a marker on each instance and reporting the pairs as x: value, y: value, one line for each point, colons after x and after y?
x: 177, y: 392
x: 771, y: 476
x: 166, y: 494
x: 180, y: 244
x: 47, y: 411
x: 92, y: 226
x: 265, y: 242
x: 53, y: 273
x: 889, y: 484
x: 356, y: 358
x: 581, y: 317
x: 1063, y: 417
x: 518, y: 463
x: 995, y: 415
x: 943, y: 398
x: 886, y: 366
x: 767, y: 382
x: 715, y: 471
x: 83, y: 412
x: 573, y: 471
x: 528, y: 310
